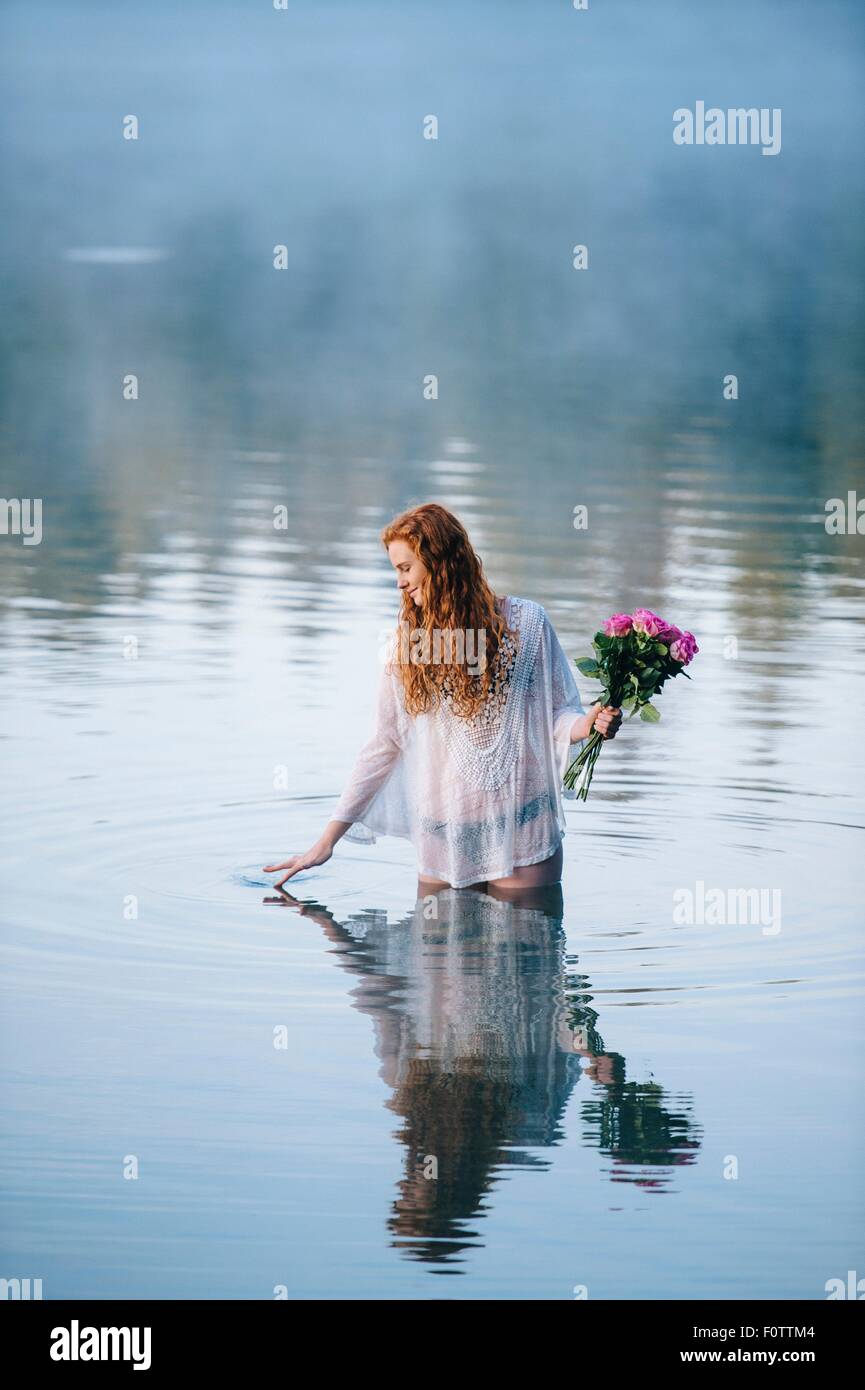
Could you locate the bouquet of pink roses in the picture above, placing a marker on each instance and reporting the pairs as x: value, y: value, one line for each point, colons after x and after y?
x: 635, y: 654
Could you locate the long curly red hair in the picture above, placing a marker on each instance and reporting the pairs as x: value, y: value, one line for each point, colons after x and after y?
x: 456, y: 597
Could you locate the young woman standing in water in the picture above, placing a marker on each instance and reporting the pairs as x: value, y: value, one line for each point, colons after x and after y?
x: 468, y: 755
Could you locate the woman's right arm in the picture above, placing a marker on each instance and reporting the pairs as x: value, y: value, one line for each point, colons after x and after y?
x: 373, y: 766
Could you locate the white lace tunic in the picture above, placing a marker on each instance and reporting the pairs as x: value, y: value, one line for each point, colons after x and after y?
x: 477, y: 798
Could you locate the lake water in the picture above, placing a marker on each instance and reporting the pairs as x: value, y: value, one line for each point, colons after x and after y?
x: 614, y: 1099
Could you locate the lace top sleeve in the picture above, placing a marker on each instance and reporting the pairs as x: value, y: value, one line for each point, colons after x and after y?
x: 377, y: 759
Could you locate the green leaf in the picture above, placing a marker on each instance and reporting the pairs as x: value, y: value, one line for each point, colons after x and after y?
x: 602, y: 640
x: 660, y: 648
x: 629, y: 702
x: 588, y: 666
x: 650, y: 714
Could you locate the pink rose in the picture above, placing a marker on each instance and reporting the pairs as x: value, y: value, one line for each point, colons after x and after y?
x: 669, y: 633
x: 684, y: 649
x: 647, y: 621
x: 619, y: 625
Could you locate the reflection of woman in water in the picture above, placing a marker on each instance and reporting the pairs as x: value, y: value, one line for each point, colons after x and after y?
x: 478, y: 717
x: 481, y: 1030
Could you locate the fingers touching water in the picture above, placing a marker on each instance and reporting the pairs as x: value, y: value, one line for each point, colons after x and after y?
x: 309, y: 859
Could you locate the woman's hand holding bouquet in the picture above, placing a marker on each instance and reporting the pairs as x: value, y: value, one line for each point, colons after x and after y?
x: 634, y: 655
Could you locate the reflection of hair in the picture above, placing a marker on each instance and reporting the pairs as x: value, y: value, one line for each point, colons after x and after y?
x: 456, y: 598
x: 468, y: 1119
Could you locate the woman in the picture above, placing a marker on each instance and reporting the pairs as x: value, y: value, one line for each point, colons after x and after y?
x: 478, y: 718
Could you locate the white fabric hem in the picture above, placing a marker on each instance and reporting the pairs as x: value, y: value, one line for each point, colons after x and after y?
x: 503, y: 873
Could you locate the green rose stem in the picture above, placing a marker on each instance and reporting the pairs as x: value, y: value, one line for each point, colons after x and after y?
x: 585, y: 761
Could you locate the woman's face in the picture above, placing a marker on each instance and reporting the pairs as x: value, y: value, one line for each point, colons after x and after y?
x: 410, y: 570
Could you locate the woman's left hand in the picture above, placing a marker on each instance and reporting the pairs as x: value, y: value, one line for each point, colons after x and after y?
x: 608, y: 720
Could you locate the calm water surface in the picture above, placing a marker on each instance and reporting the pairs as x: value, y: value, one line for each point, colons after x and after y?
x: 281, y: 1066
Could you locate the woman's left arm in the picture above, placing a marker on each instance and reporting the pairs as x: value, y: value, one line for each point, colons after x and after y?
x: 566, y: 699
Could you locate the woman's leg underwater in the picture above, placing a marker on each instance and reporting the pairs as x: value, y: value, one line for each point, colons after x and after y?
x: 533, y: 875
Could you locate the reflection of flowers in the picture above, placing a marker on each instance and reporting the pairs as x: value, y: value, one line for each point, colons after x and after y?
x: 639, y: 1126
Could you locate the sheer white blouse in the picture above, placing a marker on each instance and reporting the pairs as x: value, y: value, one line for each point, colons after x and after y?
x: 477, y: 798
